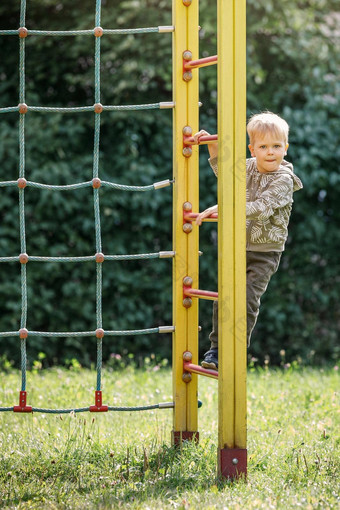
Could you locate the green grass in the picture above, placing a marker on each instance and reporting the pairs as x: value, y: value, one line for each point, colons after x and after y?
x: 124, y: 460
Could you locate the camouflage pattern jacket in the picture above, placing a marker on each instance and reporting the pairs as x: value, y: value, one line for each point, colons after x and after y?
x: 269, y: 205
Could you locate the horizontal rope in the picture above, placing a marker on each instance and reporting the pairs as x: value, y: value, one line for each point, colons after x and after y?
x: 86, y: 184
x: 168, y: 405
x: 78, y: 109
x: 126, y: 332
x: 89, y: 258
x: 162, y: 405
x: 108, y: 31
x: 9, y: 109
x: 8, y: 184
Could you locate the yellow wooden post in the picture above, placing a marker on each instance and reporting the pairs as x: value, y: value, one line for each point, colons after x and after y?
x: 232, y: 453
x: 185, y: 239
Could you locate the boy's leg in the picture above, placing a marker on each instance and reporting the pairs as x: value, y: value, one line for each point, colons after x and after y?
x: 260, y: 268
x: 213, y: 337
x: 211, y: 357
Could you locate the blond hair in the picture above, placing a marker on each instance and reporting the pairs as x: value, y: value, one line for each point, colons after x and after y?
x: 267, y: 122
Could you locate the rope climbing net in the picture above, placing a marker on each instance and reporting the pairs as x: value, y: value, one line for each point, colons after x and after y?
x: 96, y: 183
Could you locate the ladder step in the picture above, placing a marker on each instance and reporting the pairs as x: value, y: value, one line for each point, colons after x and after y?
x: 197, y: 369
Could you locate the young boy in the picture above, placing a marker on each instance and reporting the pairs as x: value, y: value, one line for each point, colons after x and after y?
x: 271, y: 183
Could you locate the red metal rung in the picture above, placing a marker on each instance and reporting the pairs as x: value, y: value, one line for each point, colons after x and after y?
x: 190, y: 216
x: 201, y: 62
x: 203, y: 140
x: 196, y: 369
x: 232, y: 462
x: 22, y: 407
x: 204, y: 294
x: 98, y: 407
x: 188, y: 291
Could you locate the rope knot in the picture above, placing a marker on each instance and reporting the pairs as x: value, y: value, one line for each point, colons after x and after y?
x: 23, y: 32
x: 98, y: 31
x: 100, y: 257
x: 22, y: 183
x: 23, y: 108
x: 23, y: 258
x: 98, y: 108
x: 23, y: 333
x: 96, y: 183
x: 100, y: 333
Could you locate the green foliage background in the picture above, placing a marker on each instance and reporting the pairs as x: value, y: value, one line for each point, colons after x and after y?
x: 292, y: 70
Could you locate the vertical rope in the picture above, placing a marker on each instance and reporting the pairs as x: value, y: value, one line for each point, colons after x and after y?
x: 22, y: 13
x: 96, y: 196
x: 22, y: 193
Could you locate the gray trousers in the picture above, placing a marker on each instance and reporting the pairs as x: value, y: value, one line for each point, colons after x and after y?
x: 260, y: 268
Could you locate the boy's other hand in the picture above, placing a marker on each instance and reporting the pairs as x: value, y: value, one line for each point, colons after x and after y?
x: 198, y: 135
x: 206, y: 214
x: 213, y: 147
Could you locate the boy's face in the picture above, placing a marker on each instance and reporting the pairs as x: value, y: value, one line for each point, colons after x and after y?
x: 269, y: 153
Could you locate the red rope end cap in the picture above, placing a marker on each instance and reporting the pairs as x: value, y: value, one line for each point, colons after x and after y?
x: 100, y: 333
x: 96, y: 183
x: 23, y: 108
x: 23, y: 333
x: 23, y: 32
x: 22, y: 183
x: 23, y: 258
x: 98, y: 31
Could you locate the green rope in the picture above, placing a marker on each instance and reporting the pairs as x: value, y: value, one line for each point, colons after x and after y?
x: 99, y: 281
x: 89, y: 258
x: 163, y: 405
x: 84, y: 409
x: 5, y: 184
x: 9, y: 109
x: 22, y: 196
x: 126, y: 332
x: 78, y: 109
x: 79, y: 185
x: 106, y: 31
x: 151, y: 106
x: 22, y: 13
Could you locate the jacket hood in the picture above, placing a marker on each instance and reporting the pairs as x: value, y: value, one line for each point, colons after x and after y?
x: 287, y: 168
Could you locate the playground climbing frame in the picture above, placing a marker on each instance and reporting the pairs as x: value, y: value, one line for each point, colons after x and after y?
x: 232, y: 453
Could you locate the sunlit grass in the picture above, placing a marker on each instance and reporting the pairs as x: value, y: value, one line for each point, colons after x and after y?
x: 125, y: 459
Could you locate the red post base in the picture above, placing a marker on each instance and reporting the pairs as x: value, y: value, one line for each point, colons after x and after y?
x: 22, y: 407
x: 178, y: 436
x: 98, y: 407
x: 232, y: 463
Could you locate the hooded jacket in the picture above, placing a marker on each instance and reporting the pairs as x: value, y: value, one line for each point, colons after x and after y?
x: 269, y: 200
